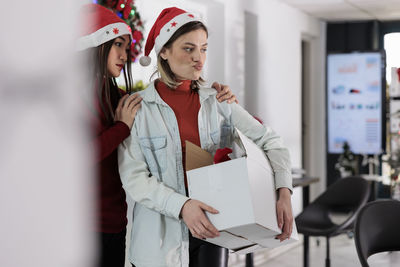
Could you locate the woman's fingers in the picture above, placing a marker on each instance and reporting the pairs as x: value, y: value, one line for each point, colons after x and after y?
x: 210, y: 209
x: 194, y: 235
x: 135, y: 105
x: 201, y: 231
x: 119, y: 107
x: 204, y: 229
x: 233, y: 99
x: 133, y: 100
x: 224, y: 93
x: 209, y: 230
x: 216, y: 86
x: 279, y: 216
x: 127, y: 107
x: 193, y: 215
x: 122, y: 100
x: 288, y: 225
x: 284, y: 214
x: 135, y: 108
x: 286, y: 229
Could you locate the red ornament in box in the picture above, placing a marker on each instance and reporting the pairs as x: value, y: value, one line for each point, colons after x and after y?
x: 221, y: 155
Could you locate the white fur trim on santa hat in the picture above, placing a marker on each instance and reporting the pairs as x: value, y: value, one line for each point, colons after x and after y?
x: 103, y: 35
x: 171, y: 27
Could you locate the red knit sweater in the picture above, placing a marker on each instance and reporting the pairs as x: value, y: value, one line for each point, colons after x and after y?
x: 112, y: 207
x: 186, y: 105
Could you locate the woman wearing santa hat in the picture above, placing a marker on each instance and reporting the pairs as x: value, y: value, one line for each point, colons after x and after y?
x: 106, y: 39
x: 168, y: 226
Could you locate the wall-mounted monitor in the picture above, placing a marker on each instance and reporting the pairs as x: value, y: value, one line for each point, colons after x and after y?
x: 356, y: 102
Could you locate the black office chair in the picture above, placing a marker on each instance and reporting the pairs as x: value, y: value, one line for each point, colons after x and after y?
x: 346, y: 197
x: 377, y: 229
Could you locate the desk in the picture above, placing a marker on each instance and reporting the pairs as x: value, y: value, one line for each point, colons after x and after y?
x: 304, y: 182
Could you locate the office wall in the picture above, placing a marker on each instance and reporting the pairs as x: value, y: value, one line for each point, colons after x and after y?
x: 277, y: 99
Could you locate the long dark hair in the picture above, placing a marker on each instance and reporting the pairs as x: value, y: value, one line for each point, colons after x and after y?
x: 105, y: 86
x: 163, y: 67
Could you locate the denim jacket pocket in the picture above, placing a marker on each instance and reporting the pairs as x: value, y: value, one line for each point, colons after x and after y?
x: 155, y: 152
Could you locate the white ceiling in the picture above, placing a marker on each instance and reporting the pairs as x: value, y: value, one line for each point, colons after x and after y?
x: 340, y: 10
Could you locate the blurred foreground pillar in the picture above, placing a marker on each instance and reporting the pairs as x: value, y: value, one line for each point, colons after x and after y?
x: 46, y: 190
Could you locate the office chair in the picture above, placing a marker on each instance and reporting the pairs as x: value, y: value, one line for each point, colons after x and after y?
x: 377, y: 229
x: 346, y: 197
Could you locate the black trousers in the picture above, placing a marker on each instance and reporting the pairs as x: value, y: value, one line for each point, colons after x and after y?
x: 112, y: 249
x: 205, y: 254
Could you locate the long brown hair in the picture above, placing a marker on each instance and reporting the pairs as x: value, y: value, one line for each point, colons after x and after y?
x: 106, y: 87
x: 163, y: 67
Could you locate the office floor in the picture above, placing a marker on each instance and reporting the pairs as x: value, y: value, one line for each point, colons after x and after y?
x: 343, y: 254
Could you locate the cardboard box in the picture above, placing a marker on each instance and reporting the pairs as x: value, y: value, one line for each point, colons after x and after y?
x: 242, y: 190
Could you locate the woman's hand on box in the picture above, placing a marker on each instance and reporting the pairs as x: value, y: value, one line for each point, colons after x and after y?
x: 284, y: 213
x: 194, y: 217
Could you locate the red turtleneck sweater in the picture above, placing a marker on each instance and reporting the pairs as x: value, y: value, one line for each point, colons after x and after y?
x: 111, y: 207
x: 186, y: 105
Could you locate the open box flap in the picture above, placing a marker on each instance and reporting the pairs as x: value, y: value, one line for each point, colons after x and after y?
x: 248, y: 249
x: 230, y: 241
x: 196, y: 157
x: 253, y: 152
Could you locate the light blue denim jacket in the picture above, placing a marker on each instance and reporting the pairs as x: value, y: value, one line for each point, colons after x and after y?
x: 150, y: 165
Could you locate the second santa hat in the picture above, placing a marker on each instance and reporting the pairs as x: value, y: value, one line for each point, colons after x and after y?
x: 101, y: 25
x: 167, y: 23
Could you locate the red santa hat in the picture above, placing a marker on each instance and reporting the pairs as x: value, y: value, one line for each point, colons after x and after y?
x: 101, y: 26
x: 167, y: 23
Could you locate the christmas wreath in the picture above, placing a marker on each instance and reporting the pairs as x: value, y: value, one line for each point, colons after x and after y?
x: 127, y: 11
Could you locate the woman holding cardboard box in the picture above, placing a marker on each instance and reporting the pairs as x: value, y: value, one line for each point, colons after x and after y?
x: 176, y: 108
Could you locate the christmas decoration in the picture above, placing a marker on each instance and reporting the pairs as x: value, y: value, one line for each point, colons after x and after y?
x: 347, y: 162
x: 393, y: 159
x: 127, y: 11
x: 139, y: 86
x: 221, y: 155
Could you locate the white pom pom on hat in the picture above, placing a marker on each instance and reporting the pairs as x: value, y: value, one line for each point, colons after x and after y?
x: 169, y: 20
x: 145, y: 61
